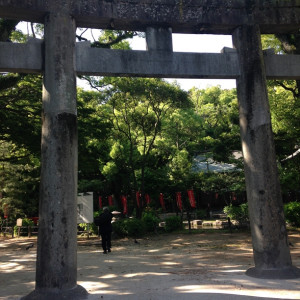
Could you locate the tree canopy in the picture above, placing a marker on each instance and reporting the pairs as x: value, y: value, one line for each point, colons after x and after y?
x: 141, y: 135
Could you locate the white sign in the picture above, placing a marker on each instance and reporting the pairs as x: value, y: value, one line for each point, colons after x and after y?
x: 85, y: 208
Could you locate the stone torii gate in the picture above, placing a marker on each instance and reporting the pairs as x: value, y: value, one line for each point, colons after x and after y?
x: 60, y: 59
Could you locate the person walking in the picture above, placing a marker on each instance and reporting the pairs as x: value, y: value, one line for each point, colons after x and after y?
x: 105, y: 229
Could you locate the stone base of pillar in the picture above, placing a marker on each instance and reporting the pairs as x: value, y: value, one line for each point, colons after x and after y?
x: 284, y: 273
x: 78, y: 293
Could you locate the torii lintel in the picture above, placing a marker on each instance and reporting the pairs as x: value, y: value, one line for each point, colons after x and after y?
x: 189, y: 16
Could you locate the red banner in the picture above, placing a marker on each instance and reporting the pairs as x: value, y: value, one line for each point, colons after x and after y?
x: 217, y: 196
x: 178, y: 200
x: 34, y: 219
x: 124, y: 203
x: 5, y: 210
x: 161, y: 200
x: 137, y: 196
x: 192, y: 198
x: 100, y: 202
x: 110, y: 201
x: 147, y: 197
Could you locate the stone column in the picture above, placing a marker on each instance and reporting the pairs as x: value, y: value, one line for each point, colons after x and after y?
x: 269, y: 237
x: 159, y: 39
x: 56, y: 270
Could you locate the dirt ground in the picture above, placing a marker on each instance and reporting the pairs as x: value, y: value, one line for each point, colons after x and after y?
x: 208, y: 265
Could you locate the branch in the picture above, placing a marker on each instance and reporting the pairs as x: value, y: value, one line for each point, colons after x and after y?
x: 90, y: 81
x: 293, y: 90
x: 121, y: 37
x: 292, y: 155
x: 32, y: 29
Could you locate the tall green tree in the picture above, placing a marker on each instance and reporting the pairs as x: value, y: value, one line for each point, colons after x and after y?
x: 284, y: 97
x: 136, y: 109
x: 218, y: 110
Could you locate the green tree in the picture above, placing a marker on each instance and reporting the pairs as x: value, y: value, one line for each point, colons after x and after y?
x: 284, y: 97
x: 136, y: 109
x: 218, y: 110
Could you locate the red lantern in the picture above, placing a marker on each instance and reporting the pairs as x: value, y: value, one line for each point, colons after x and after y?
x: 192, y: 198
x: 124, y: 203
x: 137, y: 196
x: 178, y: 200
x: 147, y: 197
x: 161, y: 200
x: 233, y: 196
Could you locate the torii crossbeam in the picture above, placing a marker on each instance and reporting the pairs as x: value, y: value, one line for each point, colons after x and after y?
x: 60, y: 60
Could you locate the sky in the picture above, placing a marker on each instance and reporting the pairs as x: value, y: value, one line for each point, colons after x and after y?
x: 201, y: 43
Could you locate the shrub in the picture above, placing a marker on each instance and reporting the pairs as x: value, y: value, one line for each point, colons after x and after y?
x: 150, y: 221
x: 292, y: 213
x: 89, y: 226
x: 173, y: 223
x: 129, y: 227
x: 25, y: 223
x: 119, y: 228
x: 135, y: 227
x: 238, y: 213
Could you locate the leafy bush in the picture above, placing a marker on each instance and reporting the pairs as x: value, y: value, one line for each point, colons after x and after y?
x: 91, y: 226
x: 238, y: 213
x: 173, y: 223
x: 129, y: 227
x: 119, y: 228
x: 292, y: 213
x: 25, y: 223
x: 150, y: 221
x: 135, y: 228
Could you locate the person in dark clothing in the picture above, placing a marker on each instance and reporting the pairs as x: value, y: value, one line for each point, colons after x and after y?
x: 105, y: 229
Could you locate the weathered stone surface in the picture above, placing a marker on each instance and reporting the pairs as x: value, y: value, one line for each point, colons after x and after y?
x: 159, y: 39
x: 21, y: 58
x: 93, y: 61
x: 28, y: 58
x: 188, y: 16
x: 269, y: 236
x: 56, y: 268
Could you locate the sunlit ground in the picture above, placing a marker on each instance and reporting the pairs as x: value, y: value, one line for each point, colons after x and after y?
x: 161, y: 267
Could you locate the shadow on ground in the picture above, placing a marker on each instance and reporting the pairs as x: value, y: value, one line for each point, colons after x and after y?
x: 185, y: 266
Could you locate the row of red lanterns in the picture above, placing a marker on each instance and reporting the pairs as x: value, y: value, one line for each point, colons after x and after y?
x: 148, y: 200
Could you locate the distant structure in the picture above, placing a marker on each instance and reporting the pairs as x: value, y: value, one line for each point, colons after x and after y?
x: 60, y: 59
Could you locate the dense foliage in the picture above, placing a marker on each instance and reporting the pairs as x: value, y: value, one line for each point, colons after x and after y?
x: 292, y: 213
x: 238, y: 213
x: 134, y: 228
x: 173, y: 223
x: 141, y: 135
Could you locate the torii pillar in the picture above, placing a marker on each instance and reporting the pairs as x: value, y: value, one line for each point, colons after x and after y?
x: 269, y: 237
x: 56, y: 270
